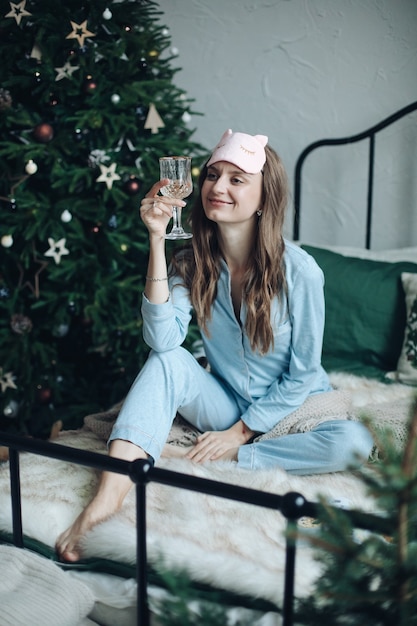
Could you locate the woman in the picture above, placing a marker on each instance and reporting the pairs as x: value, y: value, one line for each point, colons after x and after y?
x: 259, y: 303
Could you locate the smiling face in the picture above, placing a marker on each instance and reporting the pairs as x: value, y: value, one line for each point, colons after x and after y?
x: 229, y: 195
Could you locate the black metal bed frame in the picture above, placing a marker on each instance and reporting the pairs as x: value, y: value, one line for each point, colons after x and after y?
x: 367, y: 134
x: 292, y: 505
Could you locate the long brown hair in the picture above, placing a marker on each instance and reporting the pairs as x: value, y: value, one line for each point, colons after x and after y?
x: 265, y: 275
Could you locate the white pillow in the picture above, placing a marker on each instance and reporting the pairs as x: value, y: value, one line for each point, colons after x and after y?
x: 406, y: 371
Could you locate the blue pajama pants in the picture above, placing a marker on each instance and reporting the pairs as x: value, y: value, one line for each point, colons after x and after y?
x: 174, y: 381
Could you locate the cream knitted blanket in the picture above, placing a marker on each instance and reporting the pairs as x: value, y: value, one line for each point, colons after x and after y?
x: 33, y: 590
x: 353, y: 397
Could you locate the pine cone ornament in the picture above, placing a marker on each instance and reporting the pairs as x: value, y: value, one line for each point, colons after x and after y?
x: 20, y: 324
x: 5, y: 99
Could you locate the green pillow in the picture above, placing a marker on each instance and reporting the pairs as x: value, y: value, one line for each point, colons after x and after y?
x: 365, y: 312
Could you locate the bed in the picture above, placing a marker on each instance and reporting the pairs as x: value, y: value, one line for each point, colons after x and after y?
x: 186, y: 522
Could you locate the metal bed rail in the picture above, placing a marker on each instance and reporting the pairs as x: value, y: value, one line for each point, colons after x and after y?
x: 292, y: 505
x: 369, y: 134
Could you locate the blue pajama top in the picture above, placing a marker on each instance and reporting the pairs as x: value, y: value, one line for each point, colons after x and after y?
x: 276, y: 383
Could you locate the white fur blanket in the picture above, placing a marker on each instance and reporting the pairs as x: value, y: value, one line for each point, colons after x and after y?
x: 230, y: 545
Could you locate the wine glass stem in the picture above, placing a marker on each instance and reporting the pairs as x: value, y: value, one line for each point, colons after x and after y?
x: 176, y: 218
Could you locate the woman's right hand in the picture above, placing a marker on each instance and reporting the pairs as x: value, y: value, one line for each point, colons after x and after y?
x: 156, y: 210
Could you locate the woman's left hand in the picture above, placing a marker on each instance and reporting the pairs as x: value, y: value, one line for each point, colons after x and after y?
x: 222, y: 444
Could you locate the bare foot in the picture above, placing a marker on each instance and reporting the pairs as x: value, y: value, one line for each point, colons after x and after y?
x: 68, y: 543
x: 109, y: 498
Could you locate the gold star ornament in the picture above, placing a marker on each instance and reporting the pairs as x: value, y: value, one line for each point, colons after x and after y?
x: 108, y: 175
x: 18, y: 11
x: 80, y: 32
x: 6, y: 381
x: 66, y: 71
x: 56, y: 249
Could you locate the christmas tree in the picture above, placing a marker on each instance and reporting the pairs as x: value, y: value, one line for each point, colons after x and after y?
x: 87, y: 106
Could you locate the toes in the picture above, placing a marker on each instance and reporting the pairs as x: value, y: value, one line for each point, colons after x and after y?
x: 66, y: 548
x: 69, y: 555
x: 68, y: 552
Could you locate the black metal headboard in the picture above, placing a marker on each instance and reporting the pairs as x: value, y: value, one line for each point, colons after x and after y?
x: 367, y: 134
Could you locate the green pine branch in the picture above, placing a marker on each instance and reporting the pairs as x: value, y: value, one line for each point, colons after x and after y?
x: 370, y: 578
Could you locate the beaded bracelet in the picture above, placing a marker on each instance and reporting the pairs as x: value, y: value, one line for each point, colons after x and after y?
x: 156, y: 280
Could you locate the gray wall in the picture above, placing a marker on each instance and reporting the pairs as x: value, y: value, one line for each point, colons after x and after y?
x: 299, y: 70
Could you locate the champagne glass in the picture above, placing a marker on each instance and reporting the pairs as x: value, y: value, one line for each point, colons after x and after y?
x: 178, y: 170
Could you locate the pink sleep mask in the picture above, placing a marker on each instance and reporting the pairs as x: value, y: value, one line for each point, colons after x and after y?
x: 247, y: 152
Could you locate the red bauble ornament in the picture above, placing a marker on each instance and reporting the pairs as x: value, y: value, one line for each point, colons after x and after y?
x: 90, y: 85
x: 43, y: 132
x: 44, y: 395
x: 132, y: 186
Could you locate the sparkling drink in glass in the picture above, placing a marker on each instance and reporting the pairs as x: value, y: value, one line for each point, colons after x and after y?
x: 178, y: 170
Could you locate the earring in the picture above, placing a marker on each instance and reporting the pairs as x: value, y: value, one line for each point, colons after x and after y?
x: 259, y: 212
